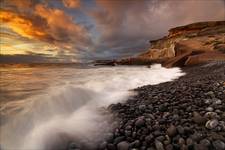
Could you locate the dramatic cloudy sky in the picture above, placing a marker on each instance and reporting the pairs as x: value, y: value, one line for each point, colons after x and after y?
x: 82, y: 30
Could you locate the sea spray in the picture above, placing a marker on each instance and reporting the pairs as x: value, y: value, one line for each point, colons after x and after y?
x: 69, y: 111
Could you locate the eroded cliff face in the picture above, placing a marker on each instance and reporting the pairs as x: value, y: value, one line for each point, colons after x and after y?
x: 184, y: 46
x: 189, y: 45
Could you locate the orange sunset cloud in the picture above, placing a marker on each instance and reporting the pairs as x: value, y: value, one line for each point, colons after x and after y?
x: 21, y: 25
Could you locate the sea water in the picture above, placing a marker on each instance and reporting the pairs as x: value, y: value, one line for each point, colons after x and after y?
x: 41, y: 104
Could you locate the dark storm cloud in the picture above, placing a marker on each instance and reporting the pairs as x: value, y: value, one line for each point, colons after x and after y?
x: 131, y: 24
x: 95, y: 29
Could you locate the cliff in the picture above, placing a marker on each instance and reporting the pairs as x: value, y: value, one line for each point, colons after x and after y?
x: 185, y: 45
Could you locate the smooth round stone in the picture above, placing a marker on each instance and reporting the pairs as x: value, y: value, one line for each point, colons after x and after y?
x: 210, y: 109
x: 111, y: 147
x: 128, y: 133
x: 119, y: 139
x: 197, y: 118
x: 189, y: 141
x: 140, y: 122
x: 218, y: 145
x: 208, y: 101
x: 159, y: 145
x: 211, y: 124
x: 160, y: 138
x: 123, y: 146
x: 200, y: 147
x: 196, y: 137
x: 211, y: 115
x: 136, y: 143
x: 181, y: 141
x: 176, y: 117
x: 150, y: 107
x: 171, y: 131
x: 180, y: 129
x: 129, y: 127
x: 149, y: 138
x: 210, y: 93
x: 169, y: 147
x: 205, y: 142
x: 218, y: 102
x: 162, y: 108
x: 142, y: 107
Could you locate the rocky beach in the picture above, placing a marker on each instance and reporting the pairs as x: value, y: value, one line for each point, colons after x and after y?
x: 112, y: 75
x: 186, y: 114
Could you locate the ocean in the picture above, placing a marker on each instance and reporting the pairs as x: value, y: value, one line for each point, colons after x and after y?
x: 39, y: 104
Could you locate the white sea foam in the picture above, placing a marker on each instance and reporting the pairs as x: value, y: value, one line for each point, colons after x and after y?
x: 70, y: 110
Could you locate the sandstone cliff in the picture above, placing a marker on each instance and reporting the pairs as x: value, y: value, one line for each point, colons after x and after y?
x: 186, y: 45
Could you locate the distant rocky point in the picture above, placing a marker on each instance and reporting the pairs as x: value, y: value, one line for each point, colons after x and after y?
x: 184, y: 46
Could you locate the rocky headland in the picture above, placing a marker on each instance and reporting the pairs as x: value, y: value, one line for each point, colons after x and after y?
x: 184, y: 46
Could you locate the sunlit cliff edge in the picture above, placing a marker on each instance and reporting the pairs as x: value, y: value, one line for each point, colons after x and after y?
x: 184, y: 46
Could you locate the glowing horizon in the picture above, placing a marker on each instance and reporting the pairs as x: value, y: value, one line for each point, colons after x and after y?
x: 84, y: 30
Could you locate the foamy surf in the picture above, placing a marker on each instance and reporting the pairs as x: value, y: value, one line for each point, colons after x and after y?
x: 70, y: 111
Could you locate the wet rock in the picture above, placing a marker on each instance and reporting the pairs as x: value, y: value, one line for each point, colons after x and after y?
x: 169, y: 147
x: 159, y: 145
x: 211, y: 124
x: 150, y: 107
x: 128, y: 133
x: 123, y: 146
x: 111, y: 147
x: 200, y: 147
x: 135, y: 144
x: 210, y: 115
x: 210, y: 93
x: 189, y: 141
x: 171, y: 131
x: 140, y: 122
x: 217, y: 101
x: 119, y: 139
x: 181, y: 141
x: 142, y: 107
x: 197, y: 118
x: 180, y: 129
x: 218, y: 145
x: 196, y: 137
x: 160, y: 138
x: 162, y: 108
x: 149, y: 138
x: 205, y: 142
x: 129, y: 127
x: 208, y: 101
x: 210, y: 109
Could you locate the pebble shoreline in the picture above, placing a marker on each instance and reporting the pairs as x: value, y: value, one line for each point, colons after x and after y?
x: 186, y: 114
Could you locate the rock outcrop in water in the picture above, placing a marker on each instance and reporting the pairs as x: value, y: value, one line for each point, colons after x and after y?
x: 184, y: 46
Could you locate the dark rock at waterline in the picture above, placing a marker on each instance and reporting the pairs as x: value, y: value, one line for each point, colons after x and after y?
x: 123, y: 146
x: 119, y: 139
x: 218, y: 145
x: 187, y: 113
